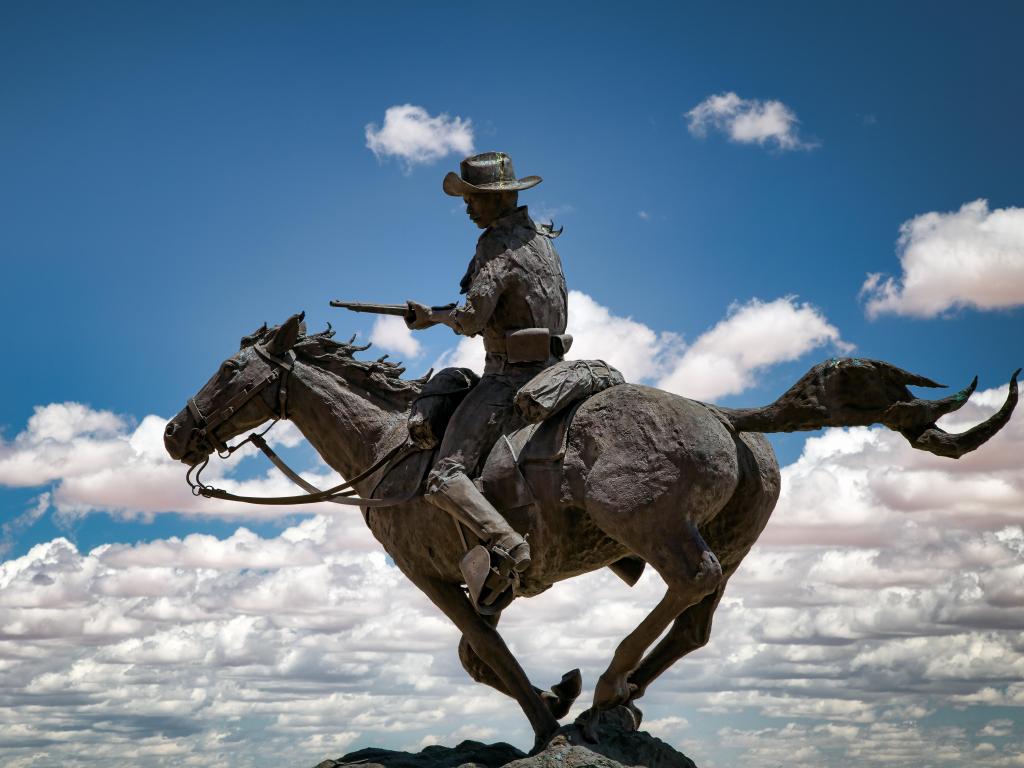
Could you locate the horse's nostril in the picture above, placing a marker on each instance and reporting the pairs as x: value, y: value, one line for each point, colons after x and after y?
x: 171, y: 429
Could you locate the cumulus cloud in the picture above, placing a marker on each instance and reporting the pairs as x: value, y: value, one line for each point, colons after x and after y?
x: 412, y: 135
x: 869, y: 472
x: 748, y: 121
x: 96, y: 460
x: 724, y: 360
x: 635, y: 349
x: 391, y: 333
x: 641, y: 353
x: 467, y: 353
x: 973, y: 257
x: 752, y: 337
x: 885, y: 589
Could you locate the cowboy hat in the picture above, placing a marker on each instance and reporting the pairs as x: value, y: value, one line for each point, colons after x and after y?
x: 489, y: 172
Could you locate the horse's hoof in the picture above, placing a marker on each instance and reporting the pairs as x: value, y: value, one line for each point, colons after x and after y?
x: 562, y: 694
x: 612, y: 690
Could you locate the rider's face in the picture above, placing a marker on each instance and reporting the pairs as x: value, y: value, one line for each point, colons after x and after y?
x: 483, y: 209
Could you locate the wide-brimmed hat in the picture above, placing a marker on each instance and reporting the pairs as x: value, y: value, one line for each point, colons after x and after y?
x: 486, y: 173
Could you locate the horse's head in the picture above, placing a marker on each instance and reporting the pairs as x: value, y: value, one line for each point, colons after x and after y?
x: 245, y: 391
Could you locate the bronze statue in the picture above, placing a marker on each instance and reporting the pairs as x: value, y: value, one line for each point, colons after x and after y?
x: 629, y: 474
x: 643, y: 472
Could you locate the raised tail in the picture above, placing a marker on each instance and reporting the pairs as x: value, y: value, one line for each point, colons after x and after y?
x: 854, y: 392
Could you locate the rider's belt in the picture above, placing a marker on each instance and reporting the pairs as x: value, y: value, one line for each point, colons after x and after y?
x: 529, y: 345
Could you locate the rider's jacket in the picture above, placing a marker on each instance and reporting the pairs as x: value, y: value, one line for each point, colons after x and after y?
x: 514, y: 281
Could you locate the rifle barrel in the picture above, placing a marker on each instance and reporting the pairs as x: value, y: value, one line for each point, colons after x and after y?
x: 381, y: 309
x: 376, y: 309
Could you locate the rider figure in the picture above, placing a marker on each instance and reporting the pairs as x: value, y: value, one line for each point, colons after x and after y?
x: 516, y: 299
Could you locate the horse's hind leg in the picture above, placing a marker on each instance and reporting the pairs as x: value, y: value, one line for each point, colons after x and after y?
x: 559, y: 699
x: 690, y: 631
x: 691, y: 572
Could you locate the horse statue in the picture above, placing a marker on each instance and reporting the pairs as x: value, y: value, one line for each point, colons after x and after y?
x: 685, y: 486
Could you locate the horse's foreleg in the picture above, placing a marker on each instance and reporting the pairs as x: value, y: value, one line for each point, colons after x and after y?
x: 490, y: 650
x: 475, y: 667
x: 559, y: 699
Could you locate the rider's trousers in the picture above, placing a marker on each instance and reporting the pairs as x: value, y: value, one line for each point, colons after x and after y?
x: 485, y: 414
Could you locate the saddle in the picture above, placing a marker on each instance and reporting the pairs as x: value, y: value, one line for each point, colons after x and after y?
x: 523, y: 467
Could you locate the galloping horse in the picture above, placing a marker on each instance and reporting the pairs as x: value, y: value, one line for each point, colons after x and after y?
x: 644, y: 473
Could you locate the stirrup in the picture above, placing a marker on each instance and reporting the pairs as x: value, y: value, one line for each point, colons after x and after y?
x: 491, y: 586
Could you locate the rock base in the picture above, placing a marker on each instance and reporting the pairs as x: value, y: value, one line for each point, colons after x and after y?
x: 619, y: 746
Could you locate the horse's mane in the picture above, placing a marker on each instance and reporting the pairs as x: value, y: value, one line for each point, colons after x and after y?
x: 337, y: 357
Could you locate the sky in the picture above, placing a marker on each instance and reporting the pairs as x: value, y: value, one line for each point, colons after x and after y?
x: 745, y: 190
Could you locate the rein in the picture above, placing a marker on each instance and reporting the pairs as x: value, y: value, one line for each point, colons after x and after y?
x: 343, y: 493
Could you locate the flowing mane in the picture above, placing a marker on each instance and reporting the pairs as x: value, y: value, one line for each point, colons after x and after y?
x: 380, y: 375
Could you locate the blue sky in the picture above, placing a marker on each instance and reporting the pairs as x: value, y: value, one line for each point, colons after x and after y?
x: 174, y: 175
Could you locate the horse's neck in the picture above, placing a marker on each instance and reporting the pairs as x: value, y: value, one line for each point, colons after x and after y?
x: 346, y: 427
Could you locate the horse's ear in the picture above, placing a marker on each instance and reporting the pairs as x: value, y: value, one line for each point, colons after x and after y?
x: 286, y: 335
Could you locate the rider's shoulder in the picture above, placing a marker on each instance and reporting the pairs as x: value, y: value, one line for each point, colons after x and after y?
x: 507, y: 234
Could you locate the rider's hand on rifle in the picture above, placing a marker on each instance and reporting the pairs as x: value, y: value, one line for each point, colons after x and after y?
x: 419, y: 316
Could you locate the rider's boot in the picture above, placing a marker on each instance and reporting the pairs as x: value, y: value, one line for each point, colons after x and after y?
x: 456, y: 494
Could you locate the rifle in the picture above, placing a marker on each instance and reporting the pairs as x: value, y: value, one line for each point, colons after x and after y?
x: 382, y: 309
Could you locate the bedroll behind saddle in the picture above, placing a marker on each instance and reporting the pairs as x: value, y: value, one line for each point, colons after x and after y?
x: 547, y: 402
x: 563, y: 384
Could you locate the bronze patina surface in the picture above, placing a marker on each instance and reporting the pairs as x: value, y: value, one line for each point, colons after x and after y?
x: 643, y: 475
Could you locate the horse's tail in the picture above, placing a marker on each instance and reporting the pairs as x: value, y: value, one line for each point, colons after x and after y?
x: 851, y: 392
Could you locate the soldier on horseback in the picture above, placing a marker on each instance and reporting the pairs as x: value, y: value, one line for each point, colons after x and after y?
x: 515, y: 298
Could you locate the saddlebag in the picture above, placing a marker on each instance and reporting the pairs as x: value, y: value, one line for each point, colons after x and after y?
x: 563, y: 384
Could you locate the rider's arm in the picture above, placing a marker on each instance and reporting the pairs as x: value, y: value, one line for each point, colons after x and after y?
x: 485, y: 290
x: 482, y: 297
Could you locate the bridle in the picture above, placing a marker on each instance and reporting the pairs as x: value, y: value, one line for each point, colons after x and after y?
x: 205, y: 433
x: 205, y: 425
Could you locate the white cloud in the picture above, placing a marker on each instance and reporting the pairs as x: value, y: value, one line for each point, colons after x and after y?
x: 632, y: 347
x: 748, y: 121
x: 860, y: 612
x: 98, y: 461
x: 722, y: 361
x: 412, y: 135
x: 468, y: 353
x: 752, y: 337
x: 849, y: 482
x: 973, y: 257
x: 391, y: 333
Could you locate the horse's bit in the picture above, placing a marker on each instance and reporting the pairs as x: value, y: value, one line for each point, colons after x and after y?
x: 280, y: 369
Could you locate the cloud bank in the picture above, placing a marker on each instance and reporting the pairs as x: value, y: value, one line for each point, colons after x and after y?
x: 883, y: 602
x: 97, y: 460
x: 748, y: 121
x: 973, y: 258
x: 412, y: 135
